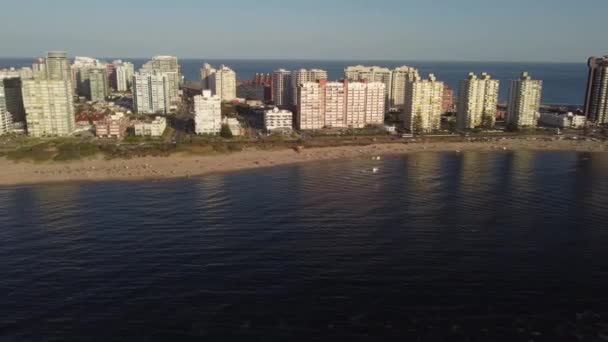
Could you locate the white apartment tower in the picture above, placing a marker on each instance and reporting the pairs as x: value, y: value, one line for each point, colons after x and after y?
x: 477, y: 102
x: 124, y: 76
x: 402, y: 77
x: 423, y: 105
x: 282, y: 88
x: 48, y: 97
x: 208, y: 113
x: 151, y: 93
x: 223, y: 83
x: 301, y: 76
x: 524, y: 102
x: 169, y: 66
x: 340, y: 104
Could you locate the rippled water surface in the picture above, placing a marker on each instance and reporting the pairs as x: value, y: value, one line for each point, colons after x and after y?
x: 435, y: 246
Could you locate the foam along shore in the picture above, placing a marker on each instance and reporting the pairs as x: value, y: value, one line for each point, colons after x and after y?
x: 187, y: 165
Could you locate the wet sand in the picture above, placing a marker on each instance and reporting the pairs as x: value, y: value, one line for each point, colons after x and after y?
x: 181, y: 165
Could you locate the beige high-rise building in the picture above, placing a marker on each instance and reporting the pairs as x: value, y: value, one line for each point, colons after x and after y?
x: 423, y: 105
x: 302, y: 76
x: 371, y: 74
x: 48, y: 97
x: 281, y: 88
x: 340, y: 104
x: 477, y: 102
x: 169, y: 66
x: 524, y: 102
x: 402, y: 76
x: 223, y: 83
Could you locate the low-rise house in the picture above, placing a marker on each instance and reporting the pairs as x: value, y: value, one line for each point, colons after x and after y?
x: 234, y: 125
x: 276, y: 119
x: 115, y: 126
x: 563, y: 120
x: 151, y: 128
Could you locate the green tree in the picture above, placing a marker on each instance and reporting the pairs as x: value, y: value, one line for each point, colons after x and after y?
x: 417, y: 125
x: 225, y: 132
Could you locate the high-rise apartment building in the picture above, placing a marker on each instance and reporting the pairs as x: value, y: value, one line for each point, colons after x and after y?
x: 596, y: 97
x: 151, y: 92
x: 477, y: 102
x: 48, y: 97
x: 13, y: 98
x: 448, y: 99
x: 92, y: 82
x: 169, y: 66
x: 6, y: 120
x: 223, y: 83
x: 340, y: 104
x: 124, y: 75
x: 208, y: 113
x: 423, y: 105
x: 282, y: 88
x: 301, y: 76
x: 206, y: 71
x: 524, y: 102
x: 395, y: 81
x: 401, y: 78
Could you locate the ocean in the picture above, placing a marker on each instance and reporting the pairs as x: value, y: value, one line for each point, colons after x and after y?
x: 437, y: 246
x: 564, y: 83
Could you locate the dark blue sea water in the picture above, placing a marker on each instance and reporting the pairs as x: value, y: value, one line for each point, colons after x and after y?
x: 435, y: 247
x: 564, y: 83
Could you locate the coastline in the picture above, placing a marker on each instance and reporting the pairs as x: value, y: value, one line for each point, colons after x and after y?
x: 187, y: 165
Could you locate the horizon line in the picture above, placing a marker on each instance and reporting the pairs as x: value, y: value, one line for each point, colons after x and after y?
x: 313, y: 59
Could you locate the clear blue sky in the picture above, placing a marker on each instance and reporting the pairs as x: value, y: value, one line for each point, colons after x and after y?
x: 467, y: 30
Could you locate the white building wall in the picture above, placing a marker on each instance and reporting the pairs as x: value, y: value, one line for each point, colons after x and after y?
x: 208, y: 113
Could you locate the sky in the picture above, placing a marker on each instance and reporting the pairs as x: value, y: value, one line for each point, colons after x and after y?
x: 414, y: 30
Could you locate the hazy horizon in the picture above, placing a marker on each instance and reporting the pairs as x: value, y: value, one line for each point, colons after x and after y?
x: 414, y: 30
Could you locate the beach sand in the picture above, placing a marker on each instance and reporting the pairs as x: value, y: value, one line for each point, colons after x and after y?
x: 185, y: 165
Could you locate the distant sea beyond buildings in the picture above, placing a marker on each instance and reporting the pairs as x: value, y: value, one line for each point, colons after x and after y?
x: 564, y: 83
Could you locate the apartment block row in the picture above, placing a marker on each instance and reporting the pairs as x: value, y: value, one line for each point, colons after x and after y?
x: 344, y: 104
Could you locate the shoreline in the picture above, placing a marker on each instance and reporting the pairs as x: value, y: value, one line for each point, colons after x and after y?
x: 188, y: 165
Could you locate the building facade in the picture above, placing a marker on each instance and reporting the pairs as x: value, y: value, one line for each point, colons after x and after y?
x: 169, y: 66
x: 206, y: 71
x: 223, y: 83
x: 301, y: 76
x: 151, y: 128
x: 13, y: 98
x: 151, y: 93
x: 423, y: 105
x: 124, y: 75
x: 524, y: 102
x: 395, y: 81
x: 278, y: 120
x: 6, y: 120
x: 92, y: 82
x: 477, y: 102
x: 208, y: 113
x: 48, y: 97
x: 113, y: 127
x: 596, y: 97
x: 282, y: 88
x: 340, y: 104
x: 563, y: 120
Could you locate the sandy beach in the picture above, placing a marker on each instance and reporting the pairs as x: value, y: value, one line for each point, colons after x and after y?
x: 186, y: 165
